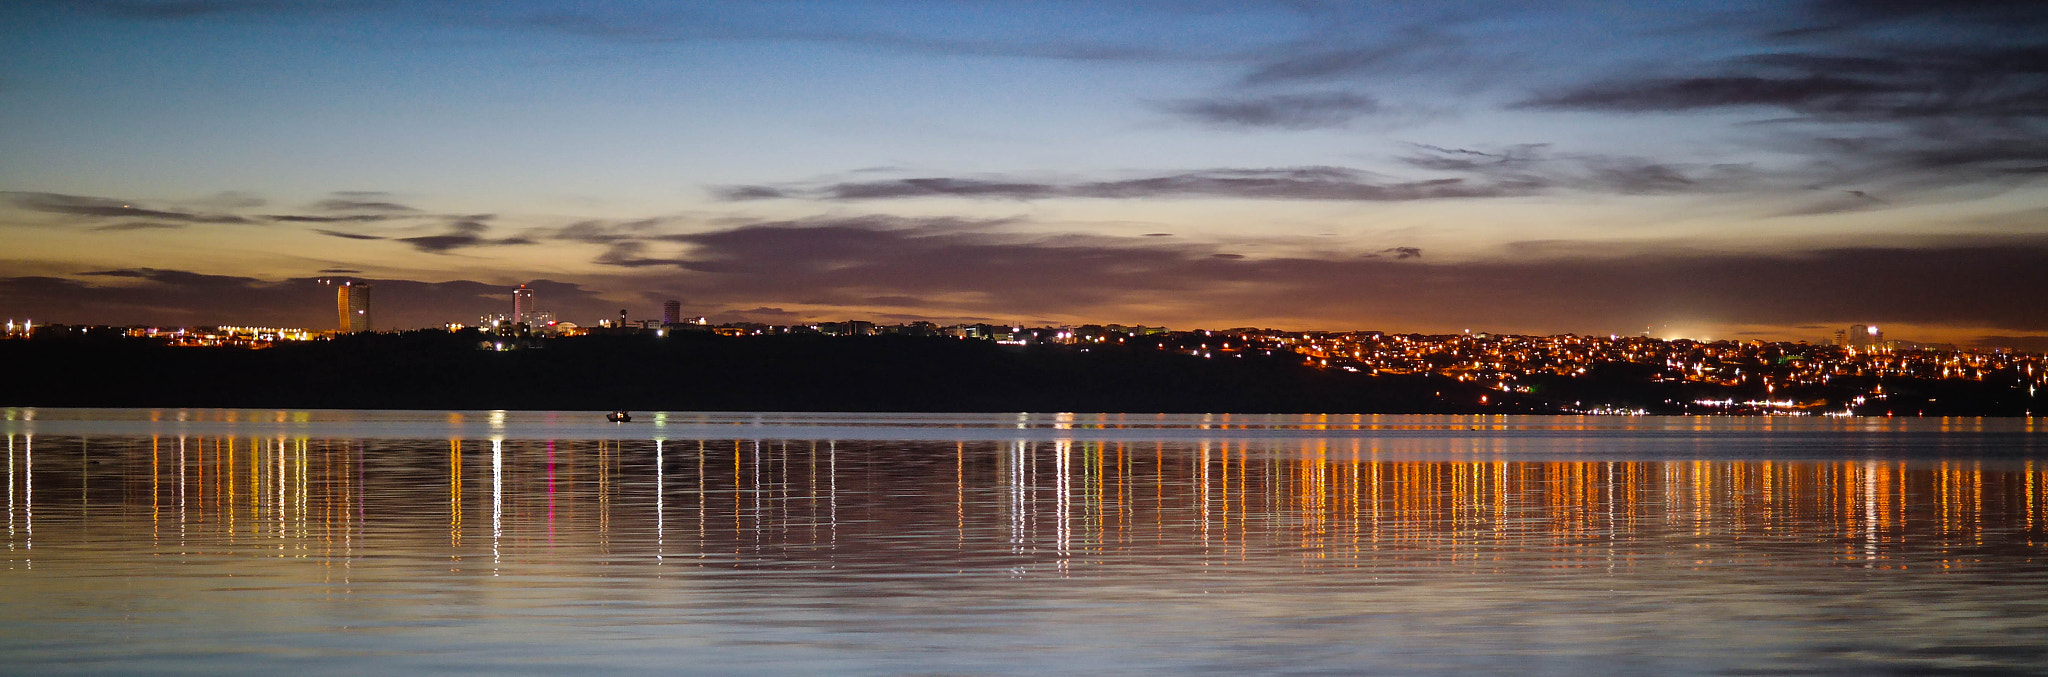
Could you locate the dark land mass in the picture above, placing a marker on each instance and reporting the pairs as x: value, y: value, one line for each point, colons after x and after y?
x: 705, y: 372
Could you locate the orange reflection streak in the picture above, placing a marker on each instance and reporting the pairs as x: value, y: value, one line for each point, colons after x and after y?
x: 155, y: 538
x: 455, y: 499
x: 1085, y: 503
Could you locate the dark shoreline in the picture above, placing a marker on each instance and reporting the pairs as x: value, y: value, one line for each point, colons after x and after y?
x: 432, y: 370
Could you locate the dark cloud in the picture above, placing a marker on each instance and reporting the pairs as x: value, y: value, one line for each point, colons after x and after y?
x: 1522, y: 170
x: 1955, y: 69
x: 741, y: 193
x: 901, y: 188
x: 183, y: 298
x: 2031, y: 344
x: 848, y: 267
x: 105, y: 208
x: 632, y: 255
x: 1899, y: 97
x: 1293, y: 183
x: 1839, y: 202
x: 178, y: 278
x: 1284, y: 111
x: 351, y: 236
x: 1835, y: 14
x: 966, y: 272
x: 138, y: 225
x: 340, y: 271
x: 1468, y: 160
x: 605, y: 232
x: 349, y: 218
x: 361, y: 205
x: 764, y: 315
x: 1338, y: 56
x: 1538, y: 165
x: 1820, y: 93
x: 465, y: 232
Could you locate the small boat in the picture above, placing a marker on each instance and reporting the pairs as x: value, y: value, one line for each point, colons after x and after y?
x: 619, y: 417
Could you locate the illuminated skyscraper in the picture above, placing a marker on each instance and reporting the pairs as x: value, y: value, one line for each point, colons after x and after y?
x: 352, y: 306
x: 671, y: 311
x: 522, y: 304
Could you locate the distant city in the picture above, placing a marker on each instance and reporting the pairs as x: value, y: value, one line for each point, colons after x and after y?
x: 1776, y: 371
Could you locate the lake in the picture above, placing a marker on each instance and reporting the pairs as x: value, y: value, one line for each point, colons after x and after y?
x: 244, y: 541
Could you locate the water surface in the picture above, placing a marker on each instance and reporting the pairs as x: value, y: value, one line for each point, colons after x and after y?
x: 247, y: 541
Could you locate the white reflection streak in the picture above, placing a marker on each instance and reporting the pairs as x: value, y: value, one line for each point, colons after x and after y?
x: 1202, y: 476
x: 181, y: 494
x: 1869, y: 514
x: 283, y: 511
x: 756, y: 491
x: 1017, y: 497
x: 659, y: 524
x: 832, y: 471
x: 10, y: 492
x: 703, y: 501
x: 1064, y: 450
x: 497, y: 497
x: 1612, y: 530
x: 28, y: 494
x: 305, y: 509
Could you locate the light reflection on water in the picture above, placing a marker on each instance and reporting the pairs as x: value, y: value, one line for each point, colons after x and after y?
x: 204, y: 553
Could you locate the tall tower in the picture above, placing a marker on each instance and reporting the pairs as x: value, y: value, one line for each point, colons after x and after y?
x: 522, y: 304
x: 671, y: 311
x: 352, y: 306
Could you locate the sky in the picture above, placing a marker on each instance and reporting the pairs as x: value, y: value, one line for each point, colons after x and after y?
x: 1770, y: 170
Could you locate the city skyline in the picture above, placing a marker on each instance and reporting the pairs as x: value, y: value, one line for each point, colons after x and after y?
x: 1775, y: 171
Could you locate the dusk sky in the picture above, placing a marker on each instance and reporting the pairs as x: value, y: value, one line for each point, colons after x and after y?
x: 1734, y: 170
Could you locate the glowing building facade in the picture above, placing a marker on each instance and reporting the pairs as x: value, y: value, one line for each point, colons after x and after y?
x: 522, y: 305
x: 352, y: 306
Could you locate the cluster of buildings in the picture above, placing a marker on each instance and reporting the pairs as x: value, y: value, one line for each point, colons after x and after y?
x: 1507, y: 363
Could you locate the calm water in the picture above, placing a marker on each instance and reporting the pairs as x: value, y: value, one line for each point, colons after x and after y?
x: 263, y: 541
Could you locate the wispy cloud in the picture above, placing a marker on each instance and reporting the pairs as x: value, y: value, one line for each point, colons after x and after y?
x: 349, y: 218
x: 361, y: 205
x: 461, y: 233
x: 1292, y: 183
x: 138, y: 225
x: 1283, y: 111
x: 350, y: 236
x: 1511, y: 172
x: 108, y: 208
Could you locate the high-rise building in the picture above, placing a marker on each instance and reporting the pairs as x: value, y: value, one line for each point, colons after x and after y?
x: 671, y: 311
x: 352, y: 307
x: 522, y: 304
